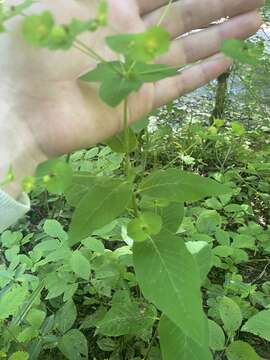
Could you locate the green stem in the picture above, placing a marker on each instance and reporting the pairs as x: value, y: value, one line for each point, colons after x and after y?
x: 151, y: 344
x: 135, y: 206
x: 90, y: 51
x: 165, y: 13
x: 84, y: 51
x: 126, y: 136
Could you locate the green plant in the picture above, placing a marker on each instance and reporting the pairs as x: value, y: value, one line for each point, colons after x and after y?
x: 62, y: 290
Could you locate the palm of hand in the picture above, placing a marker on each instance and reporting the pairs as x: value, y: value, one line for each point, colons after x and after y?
x: 62, y: 114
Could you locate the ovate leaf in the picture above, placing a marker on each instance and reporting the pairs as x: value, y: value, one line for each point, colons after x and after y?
x: 80, y: 265
x: 202, y: 254
x: 111, y: 76
x: 230, y: 314
x: 216, y: 336
x: 240, y: 51
x: 80, y: 185
x: 120, y: 144
x: 126, y: 318
x: 73, y: 345
x: 66, y: 316
x: 12, y: 300
x: 19, y: 355
x: 240, y: 350
x: 35, y: 318
x: 176, y: 345
x: 56, y: 175
x: 208, y: 222
x: 259, y: 325
x: 100, y: 206
x: 168, y: 276
x: 172, y: 216
x: 121, y: 86
x: 179, y: 186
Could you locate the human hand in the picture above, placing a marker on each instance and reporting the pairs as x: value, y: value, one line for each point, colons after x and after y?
x: 47, y: 111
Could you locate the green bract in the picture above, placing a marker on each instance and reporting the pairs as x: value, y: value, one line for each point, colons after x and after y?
x: 145, y: 225
x: 240, y: 51
x: 36, y: 29
x: 143, y: 47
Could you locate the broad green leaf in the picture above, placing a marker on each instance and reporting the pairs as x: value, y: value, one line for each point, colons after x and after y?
x: 81, y: 184
x: 146, y: 224
x: 223, y: 251
x: 73, y: 345
x: 142, y: 47
x: 19, y: 355
x: 172, y: 216
x: 35, y: 318
x: 118, y: 142
x: 140, y: 125
x: 126, y: 318
x: 239, y: 50
x: 208, y: 222
x: 66, y: 316
x: 230, y: 314
x: 111, y: 76
x: 125, y: 78
x: 168, y: 277
x: 56, y: 175
x: 240, y: 350
x: 94, y: 245
x: 223, y: 237
x: 259, y: 325
x: 80, y: 265
x: 103, y: 72
x: 54, y: 229
x: 101, y: 205
x: 243, y: 241
x: 10, y: 238
x: 179, y: 186
x: 176, y: 345
x: 202, y: 254
x: 216, y: 336
x: 121, y: 86
x: 27, y: 335
x: 12, y: 300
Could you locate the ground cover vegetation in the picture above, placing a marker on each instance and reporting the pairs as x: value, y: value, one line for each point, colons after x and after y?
x: 154, y: 245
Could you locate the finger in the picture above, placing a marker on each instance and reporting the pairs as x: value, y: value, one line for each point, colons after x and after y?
x: 200, y: 45
x: 190, y: 79
x: 186, y: 15
x: 146, y: 6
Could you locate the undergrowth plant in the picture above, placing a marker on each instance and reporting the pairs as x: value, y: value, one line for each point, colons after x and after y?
x: 159, y: 263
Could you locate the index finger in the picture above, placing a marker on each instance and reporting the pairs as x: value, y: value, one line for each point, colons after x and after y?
x: 146, y: 6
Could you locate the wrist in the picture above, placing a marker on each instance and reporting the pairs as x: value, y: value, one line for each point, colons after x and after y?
x: 19, y: 152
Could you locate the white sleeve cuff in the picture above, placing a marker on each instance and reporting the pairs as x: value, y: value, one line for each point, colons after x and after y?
x: 12, y: 210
